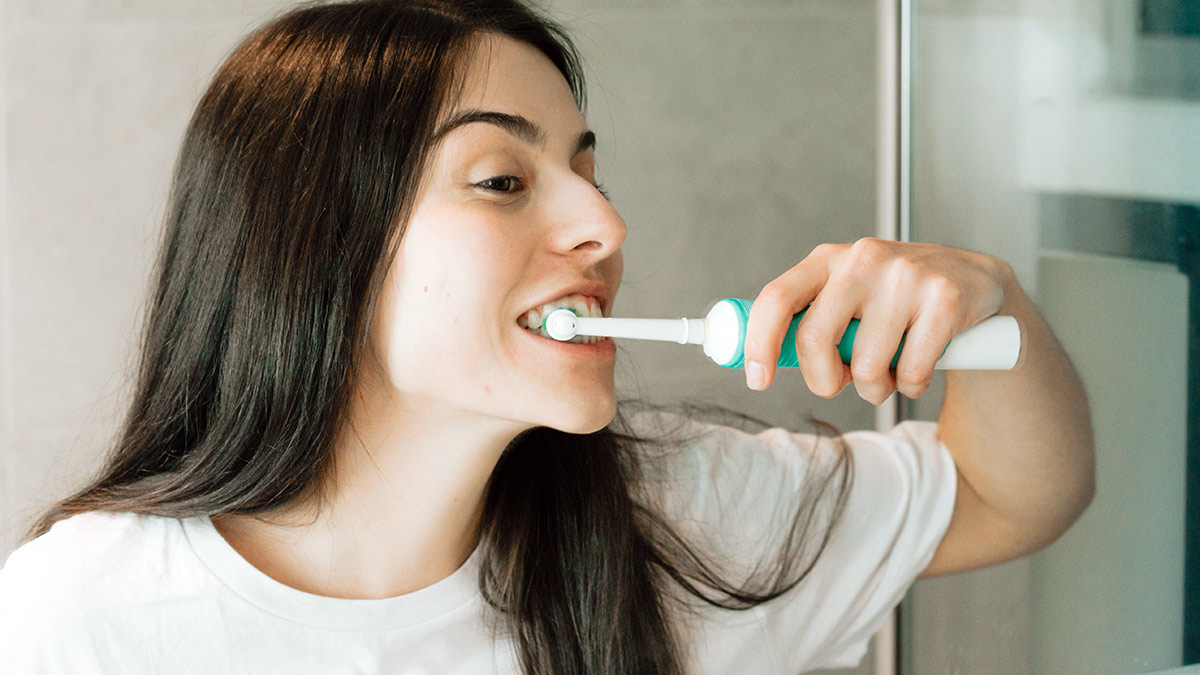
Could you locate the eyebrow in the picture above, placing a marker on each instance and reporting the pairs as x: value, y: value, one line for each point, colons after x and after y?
x: 516, y: 125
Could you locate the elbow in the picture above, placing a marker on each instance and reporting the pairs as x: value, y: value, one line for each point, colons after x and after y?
x: 1087, y: 493
x: 1085, y: 485
x: 1061, y: 509
x: 1070, y: 508
x: 1074, y: 509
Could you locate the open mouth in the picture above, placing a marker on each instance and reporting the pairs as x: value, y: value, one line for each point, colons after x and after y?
x: 582, y: 305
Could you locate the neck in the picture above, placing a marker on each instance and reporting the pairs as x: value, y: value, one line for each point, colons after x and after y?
x: 403, y: 511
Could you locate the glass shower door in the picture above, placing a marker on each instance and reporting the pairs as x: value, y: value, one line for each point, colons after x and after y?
x: 1064, y: 137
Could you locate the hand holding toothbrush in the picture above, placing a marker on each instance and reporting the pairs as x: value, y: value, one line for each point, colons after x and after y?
x: 1021, y: 439
x: 993, y: 343
x: 931, y: 292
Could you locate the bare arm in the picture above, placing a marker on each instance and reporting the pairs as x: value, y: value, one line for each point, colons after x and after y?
x: 1022, y: 441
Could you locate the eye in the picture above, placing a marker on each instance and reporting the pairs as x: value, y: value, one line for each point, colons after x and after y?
x: 500, y: 184
x: 507, y: 184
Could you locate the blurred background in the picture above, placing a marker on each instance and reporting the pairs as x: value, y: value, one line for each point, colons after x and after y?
x: 734, y: 136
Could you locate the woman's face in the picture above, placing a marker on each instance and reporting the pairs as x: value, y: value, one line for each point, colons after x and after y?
x: 508, y: 218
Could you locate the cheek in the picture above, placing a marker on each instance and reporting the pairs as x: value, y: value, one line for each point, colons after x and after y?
x: 426, y: 348
x: 443, y: 326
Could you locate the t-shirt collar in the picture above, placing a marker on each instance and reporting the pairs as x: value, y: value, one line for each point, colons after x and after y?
x: 260, y: 590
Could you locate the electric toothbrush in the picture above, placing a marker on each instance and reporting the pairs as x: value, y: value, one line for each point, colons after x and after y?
x: 991, y: 344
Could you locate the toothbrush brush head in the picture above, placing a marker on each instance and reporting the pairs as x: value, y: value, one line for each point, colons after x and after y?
x: 560, y: 324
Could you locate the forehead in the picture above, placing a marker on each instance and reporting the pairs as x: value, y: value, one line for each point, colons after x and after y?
x: 505, y: 75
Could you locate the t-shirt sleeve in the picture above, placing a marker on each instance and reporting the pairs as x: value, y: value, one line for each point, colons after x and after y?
x: 737, y: 493
x: 898, y: 509
x: 57, y: 589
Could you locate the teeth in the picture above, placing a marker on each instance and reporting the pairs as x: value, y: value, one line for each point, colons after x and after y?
x: 582, y: 305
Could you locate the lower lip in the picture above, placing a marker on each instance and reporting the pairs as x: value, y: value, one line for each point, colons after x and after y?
x: 600, y: 348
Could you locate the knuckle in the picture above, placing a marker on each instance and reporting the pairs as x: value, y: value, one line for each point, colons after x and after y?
x: 825, y: 392
x: 869, y: 250
x: 901, y: 269
x: 945, y: 294
x: 771, y: 293
x: 810, y: 339
x: 872, y: 395
x: 817, y: 384
x: 912, y: 373
x: 754, y: 349
x: 824, y: 250
x: 868, y: 368
x: 913, y: 377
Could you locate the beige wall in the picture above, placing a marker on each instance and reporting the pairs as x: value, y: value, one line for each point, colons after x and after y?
x: 733, y: 140
x: 96, y: 95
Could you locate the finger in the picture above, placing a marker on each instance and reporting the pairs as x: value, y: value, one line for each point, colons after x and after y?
x: 847, y: 377
x: 819, y: 332
x: 939, y: 317
x: 923, y: 346
x: 879, y: 334
x: 888, y: 314
x: 773, y: 310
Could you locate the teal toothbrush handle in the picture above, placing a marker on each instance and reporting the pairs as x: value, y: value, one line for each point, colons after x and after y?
x: 787, y: 353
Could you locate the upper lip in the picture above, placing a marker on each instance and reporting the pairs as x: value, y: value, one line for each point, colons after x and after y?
x: 596, y: 289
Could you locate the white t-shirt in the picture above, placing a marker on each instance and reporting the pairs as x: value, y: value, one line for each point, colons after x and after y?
x: 126, y: 593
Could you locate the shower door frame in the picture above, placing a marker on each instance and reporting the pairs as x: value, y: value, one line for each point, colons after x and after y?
x: 893, y: 212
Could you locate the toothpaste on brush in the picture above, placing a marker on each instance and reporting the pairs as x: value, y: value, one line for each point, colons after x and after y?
x: 991, y: 344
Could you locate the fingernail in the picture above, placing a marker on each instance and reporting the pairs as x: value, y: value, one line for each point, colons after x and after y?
x: 755, y: 374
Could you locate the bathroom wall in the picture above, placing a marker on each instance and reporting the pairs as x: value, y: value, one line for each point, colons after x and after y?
x: 95, y: 98
x: 734, y: 138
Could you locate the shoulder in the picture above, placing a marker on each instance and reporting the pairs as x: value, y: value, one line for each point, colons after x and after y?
x: 84, y: 562
x: 728, y: 488
x: 909, y: 451
x: 881, y: 485
x: 83, y: 539
x: 688, y: 446
x: 872, y: 507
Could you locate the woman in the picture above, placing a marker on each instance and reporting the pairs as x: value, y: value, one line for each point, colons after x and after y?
x: 346, y: 454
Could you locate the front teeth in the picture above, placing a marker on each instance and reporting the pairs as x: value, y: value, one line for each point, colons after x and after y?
x: 580, y: 304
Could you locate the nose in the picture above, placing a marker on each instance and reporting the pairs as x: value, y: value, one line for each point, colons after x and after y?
x: 587, y: 223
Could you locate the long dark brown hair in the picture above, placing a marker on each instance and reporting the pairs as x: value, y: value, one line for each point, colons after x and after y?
x: 297, y: 174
